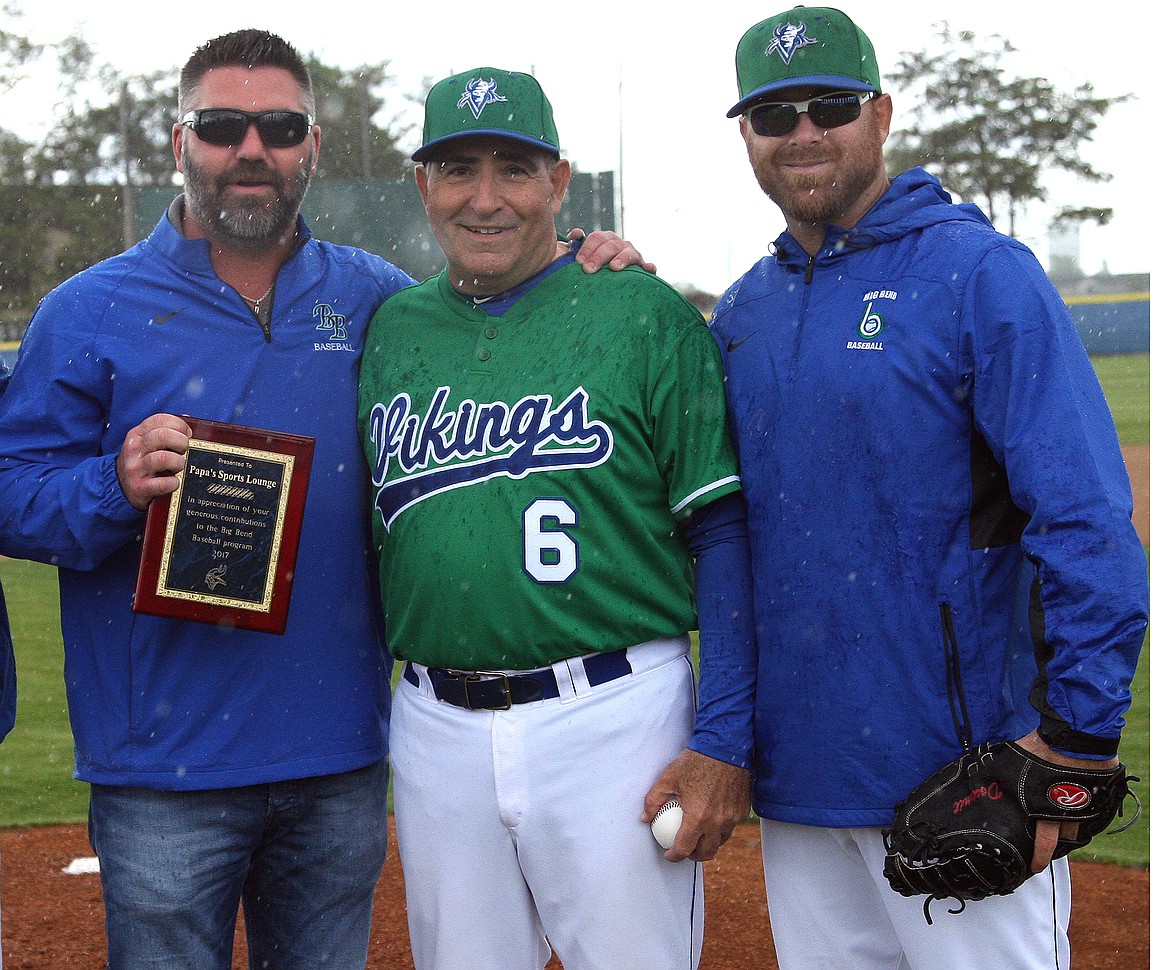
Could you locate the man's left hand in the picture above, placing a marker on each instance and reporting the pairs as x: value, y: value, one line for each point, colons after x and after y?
x: 715, y: 797
x: 1049, y: 833
x: 604, y: 247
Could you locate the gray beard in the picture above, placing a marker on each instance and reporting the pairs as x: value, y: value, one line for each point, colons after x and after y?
x: 249, y: 222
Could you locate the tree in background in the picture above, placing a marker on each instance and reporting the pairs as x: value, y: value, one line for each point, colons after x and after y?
x: 19, y: 249
x: 109, y: 128
x: 67, y: 201
x: 66, y: 206
x: 347, y: 103
x: 15, y: 50
x: 989, y: 137
x: 116, y: 129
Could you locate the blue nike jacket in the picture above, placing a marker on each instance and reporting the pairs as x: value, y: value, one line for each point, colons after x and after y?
x: 173, y: 704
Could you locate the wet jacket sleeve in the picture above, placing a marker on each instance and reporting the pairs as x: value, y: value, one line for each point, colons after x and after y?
x: 60, y: 501
x: 1040, y: 407
x: 717, y: 538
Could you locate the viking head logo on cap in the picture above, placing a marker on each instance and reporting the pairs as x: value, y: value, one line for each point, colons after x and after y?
x: 787, y: 39
x: 479, y: 94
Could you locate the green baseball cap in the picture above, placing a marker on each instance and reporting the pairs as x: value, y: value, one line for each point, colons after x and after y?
x: 488, y: 101
x: 803, y: 47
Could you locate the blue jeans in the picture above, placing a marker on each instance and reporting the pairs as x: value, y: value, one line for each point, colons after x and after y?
x: 303, y: 856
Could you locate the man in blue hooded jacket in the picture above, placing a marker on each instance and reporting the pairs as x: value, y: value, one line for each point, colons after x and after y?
x: 939, y: 515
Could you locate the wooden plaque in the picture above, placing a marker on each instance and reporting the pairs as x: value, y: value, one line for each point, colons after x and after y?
x: 222, y: 549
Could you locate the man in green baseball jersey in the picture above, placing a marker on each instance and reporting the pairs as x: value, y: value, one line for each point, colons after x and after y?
x: 555, y: 499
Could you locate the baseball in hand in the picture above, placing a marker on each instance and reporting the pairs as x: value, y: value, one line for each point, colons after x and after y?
x: 666, y: 823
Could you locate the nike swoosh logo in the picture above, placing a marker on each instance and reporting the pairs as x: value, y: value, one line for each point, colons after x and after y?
x: 164, y: 317
x: 732, y: 344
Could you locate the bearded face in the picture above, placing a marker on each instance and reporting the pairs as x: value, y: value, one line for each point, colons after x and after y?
x: 825, y: 193
x: 823, y: 176
x: 249, y: 203
x: 247, y: 193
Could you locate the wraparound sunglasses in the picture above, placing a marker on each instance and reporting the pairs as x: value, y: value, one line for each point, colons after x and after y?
x: 229, y: 126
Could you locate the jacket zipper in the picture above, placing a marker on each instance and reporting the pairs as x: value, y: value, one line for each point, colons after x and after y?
x: 955, y: 694
x: 265, y: 325
x: 793, y: 363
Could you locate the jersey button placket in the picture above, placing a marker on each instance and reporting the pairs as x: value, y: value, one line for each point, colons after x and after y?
x: 484, y: 354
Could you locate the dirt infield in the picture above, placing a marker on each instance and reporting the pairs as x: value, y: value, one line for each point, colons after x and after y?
x: 1137, y: 462
x: 53, y: 920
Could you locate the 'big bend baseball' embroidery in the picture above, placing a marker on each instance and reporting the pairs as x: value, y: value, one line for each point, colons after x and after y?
x: 420, y: 455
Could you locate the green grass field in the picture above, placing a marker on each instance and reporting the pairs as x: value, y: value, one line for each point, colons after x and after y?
x: 36, y: 760
x: 1126, y: 382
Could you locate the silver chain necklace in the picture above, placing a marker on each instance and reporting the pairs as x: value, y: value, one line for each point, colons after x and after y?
x: 259, y: 301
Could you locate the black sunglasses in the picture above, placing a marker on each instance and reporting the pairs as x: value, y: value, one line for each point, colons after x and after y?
x: 228, y: 126
x: 825, y: 111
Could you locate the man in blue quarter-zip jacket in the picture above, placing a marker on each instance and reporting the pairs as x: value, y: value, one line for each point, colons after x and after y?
x: 938, y: 511
x: 224, y: 764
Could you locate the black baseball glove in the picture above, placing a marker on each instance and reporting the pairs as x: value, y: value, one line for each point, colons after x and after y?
x: 968, y: 831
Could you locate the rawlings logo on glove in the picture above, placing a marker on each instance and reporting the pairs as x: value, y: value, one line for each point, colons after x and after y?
x: 968, y: 831
x: 1068, y: 795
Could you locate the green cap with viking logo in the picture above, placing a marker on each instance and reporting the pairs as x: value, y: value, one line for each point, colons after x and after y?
x: 817, y: 47
x: 488, y: 101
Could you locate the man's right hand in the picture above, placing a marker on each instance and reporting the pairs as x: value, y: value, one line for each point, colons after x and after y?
x: 715, y: 797
x: 152, y: 455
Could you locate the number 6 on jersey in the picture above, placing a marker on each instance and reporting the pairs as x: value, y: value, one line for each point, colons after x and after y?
x: 550, y: 553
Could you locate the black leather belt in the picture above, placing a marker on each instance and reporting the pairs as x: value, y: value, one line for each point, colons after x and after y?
x: 498, y: 692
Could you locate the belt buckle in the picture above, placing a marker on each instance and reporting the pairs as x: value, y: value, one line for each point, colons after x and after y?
x: 480, y: 675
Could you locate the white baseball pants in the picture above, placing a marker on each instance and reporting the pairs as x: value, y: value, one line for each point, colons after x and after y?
x: 831, y: 908
x: 521, y: 828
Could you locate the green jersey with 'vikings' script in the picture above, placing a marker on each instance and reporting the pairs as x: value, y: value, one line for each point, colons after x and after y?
x: 530, y: 470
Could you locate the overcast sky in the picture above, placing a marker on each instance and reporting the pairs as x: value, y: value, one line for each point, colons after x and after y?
x: 645, y: 94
